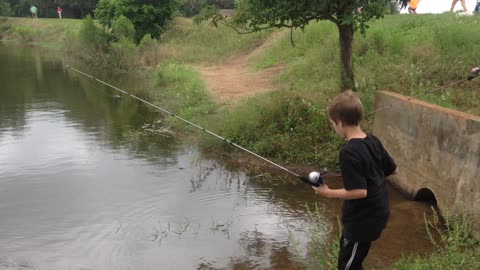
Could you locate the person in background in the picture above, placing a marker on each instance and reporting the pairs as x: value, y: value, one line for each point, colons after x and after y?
x: 412, y: 6
x: 477, y: 7
x: 34, y: 10
x: 454, y: 2
x: 59, y: 11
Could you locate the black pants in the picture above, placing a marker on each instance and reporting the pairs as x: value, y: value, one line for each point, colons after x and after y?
x: 352, y: 254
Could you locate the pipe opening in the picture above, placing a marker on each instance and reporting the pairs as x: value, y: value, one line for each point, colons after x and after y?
x: 425, y: 195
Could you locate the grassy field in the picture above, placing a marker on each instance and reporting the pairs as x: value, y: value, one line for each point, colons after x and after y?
x: 50, y: 33
x: 406, y: 54
x: 190, y: 43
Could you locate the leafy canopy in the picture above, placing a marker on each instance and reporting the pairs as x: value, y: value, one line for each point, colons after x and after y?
x: 4, y: 8
x: 147, y: 16
x: 255, y: 15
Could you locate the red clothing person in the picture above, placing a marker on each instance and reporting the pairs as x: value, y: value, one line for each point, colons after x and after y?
x: 59, y: 11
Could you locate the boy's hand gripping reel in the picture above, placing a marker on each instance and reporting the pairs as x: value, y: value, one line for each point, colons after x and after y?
x: 314, y: 178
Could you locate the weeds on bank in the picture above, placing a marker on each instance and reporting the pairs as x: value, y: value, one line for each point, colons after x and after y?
x: 451, y: 236
x: 454, y: 246
x: 184, y: 91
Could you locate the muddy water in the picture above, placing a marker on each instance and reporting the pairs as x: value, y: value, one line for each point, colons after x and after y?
x: 84, y: 186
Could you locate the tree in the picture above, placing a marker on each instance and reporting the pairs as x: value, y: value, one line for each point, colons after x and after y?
x: 4, y: 8
x: 148, y: 16
x: 20, y: 7
x: 348, y: 15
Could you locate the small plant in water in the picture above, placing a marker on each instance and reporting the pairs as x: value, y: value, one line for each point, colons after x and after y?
x: 221, y: 226
x: 322, y: 250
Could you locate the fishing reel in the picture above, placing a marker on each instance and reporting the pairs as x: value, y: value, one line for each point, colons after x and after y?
x: 314, y: 178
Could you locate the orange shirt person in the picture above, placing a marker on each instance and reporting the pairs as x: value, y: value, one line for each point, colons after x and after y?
x: 412, y: 7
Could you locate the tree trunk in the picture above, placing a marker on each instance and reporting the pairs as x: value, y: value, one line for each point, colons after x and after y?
x: 345, y: 32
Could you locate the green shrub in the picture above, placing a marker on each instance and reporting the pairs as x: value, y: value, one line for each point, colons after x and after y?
x: 93, y: 41
x: 185, y: 91
x: 282, y: 125
x: 146, y: 42
x: 5, y: 27
x: 123, y: 28
x: 123, y: 54
x: 148, y: 17
x: 92, y: 35
x: 4, y: 8
x: 25, y: 33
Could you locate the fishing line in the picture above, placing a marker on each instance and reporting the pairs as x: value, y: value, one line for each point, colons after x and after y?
x: 314, y: 178
x: 201, y: 128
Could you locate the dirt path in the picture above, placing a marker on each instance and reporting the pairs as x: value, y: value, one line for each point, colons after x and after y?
x: 235, y: 79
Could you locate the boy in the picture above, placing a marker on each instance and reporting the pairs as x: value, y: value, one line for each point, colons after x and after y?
x: 364, y: 163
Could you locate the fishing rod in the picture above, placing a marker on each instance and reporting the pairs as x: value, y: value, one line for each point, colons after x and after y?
x: 314, y: 178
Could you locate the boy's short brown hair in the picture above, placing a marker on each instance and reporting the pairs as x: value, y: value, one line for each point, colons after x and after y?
x: 346, y: 107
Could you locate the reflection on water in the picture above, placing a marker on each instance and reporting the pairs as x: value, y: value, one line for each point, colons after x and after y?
x: 91, y: 181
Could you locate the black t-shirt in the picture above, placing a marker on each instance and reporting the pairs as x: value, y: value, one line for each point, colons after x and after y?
x: 365, y: 163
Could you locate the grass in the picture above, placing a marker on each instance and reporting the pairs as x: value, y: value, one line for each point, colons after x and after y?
x: 404, y: 54
x: 183, y: 91
x: 455, y: 249
x: 49, y: 33
x: 191, y: 43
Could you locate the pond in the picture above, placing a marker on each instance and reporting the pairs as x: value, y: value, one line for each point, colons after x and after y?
x: 90, y: 180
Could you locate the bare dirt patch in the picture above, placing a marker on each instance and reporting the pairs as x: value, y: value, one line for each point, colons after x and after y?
x: 235, y: 79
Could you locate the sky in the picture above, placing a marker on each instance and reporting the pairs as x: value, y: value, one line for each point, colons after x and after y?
x: 440, y: 6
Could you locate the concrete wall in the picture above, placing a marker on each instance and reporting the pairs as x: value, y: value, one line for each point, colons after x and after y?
x: 435, y: 148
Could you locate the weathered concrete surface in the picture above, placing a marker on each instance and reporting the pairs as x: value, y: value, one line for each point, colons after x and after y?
x: 435, y: 148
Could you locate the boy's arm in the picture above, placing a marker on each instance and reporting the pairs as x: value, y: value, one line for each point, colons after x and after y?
x: 342, y: 193
x: 389, y: 165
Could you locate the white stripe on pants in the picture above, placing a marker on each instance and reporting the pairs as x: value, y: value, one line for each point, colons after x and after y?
x: 352, y: 257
